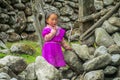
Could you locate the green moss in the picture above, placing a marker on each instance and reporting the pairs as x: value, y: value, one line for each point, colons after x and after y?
x: 28, y: 58
x: 2, y: 55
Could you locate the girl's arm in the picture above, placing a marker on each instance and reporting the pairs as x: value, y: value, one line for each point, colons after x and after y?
x: 65, y: 45
x: 50, y: 35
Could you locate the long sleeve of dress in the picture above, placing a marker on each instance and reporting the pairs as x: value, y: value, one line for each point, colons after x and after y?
x: 48, y: 34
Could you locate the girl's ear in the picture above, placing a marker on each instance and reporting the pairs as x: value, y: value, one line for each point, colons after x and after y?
x: 46, y: 21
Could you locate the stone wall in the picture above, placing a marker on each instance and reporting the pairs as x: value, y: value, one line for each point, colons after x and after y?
x: 98, y: 58
x: 16, y: 21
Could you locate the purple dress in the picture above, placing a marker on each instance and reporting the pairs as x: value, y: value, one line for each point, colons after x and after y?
x: 52, y: 50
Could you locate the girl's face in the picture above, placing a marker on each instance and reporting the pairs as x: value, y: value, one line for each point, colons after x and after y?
x: 52, y: 20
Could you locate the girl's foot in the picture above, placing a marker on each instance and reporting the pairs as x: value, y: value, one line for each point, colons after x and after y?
x: 57, y: 67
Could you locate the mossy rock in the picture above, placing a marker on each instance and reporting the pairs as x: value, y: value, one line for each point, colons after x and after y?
x: 22, y: 48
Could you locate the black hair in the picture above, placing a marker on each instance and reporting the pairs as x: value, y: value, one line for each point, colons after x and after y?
x: 48, y: 15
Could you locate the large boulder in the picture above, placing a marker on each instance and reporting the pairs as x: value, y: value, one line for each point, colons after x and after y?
x: 4, y: 76
x: 115, y: 59
x: 98, y: 4
x: 30, y: 72
x: 16, y: 64
x: 82, y: 51
x: 109, y: 27
x: 110, y: 70
x: 97, y: 63
x: 114, y: 49
x: 103, y: 38
x: 73, y: 61
x: 100, y: 51
x: 116, y: 38
x: 108, y: 2
x: 94, y: 75
x: 22, y: 48
x: 45, y: 71
x: 14, y: 37
x: 114, y: 21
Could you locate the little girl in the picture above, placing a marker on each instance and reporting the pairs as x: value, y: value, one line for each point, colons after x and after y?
x: 53, y: 40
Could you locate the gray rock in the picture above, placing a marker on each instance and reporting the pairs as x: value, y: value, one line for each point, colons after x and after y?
x: 19, y: 6
x: 7, y: 70
x: 98, y: 4
x: 118, y: 72
x: 115, y: 59
x: 4, y: 18
x: 21, y: 20
x: 4, y: 27
x: 31, y: 75
x: 97, y: 63
x: 67, y: 74
x: 94, y: 75
x: 116, y: 38
x: 100, y: 51
x: 67, y: 25
x: 14, y: 37
x: 66, y: 11
x: 74, y: 17
x: 28, y: 11
x: 114, y: 21
x: 6, y: 51
x: 89, y: 41
x: 22, y: 48
x: 25, y: 1
x: 13, y: 79
x: 4, y: 37
x: 4, y: 76
x: 22, y: 75
x: 71, y: 4
x: 24, y: 36
x: 114, y: 49
x: 30, y: 27
x: 33, y: 37
x: 57, y: 4
x: 108, y: 2
x: 48, y: 1
x: 117, y: 78
x: 31, y: 18
x: 119, y: 12
x: 45, y: 71
x: 15, y: 1
x: 72, y: 36
x: 103, y: 38
x: 61, y: 0
x: 10, y: 31
x: 91, y: 50
x: 73, y: 61
x: 109, y: 70
x: 48, y: 8
x: 76, y: 1
x: 109, y: 28
x: 82, y: 51
x: 64, y: 19
x: 18, y: 66
x: 13, y: 18
x: 2, y: 45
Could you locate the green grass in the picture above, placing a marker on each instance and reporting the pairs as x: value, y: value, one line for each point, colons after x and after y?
x: 28, y: 58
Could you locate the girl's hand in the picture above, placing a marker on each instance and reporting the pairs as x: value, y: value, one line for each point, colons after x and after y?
x: 54, y: 30
x: 68, y: 48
